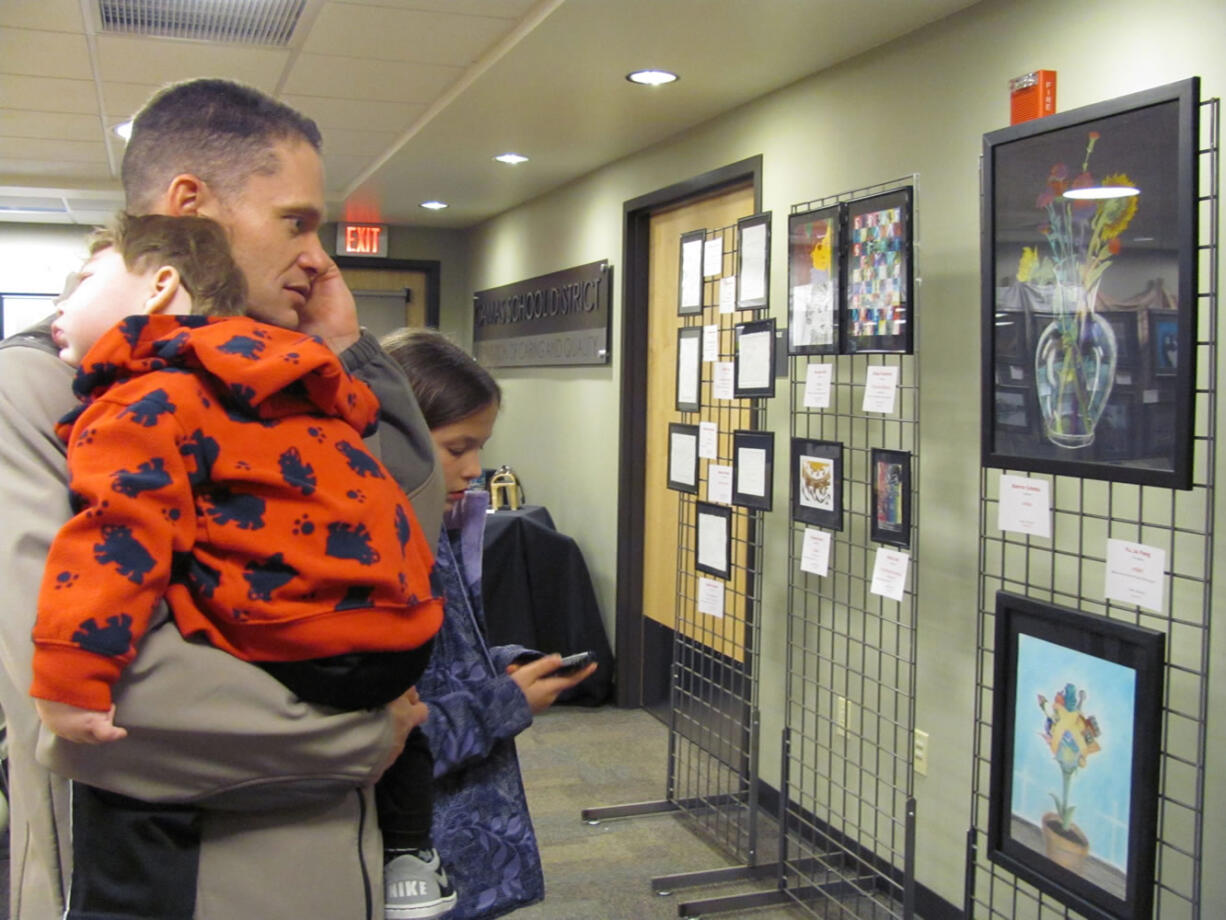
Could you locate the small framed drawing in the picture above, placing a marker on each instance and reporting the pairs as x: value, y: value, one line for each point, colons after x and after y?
x: 753, y: 235
x: 814, y: 282
x: 690, y: 276
x: 817, y: 482
x: 683, y: 457
x: 1076, y: 208
x: 1076, y: 736
x: 877, y: 278
x: 1013, y: 408
x: 1164, y: 342
x: 753, y: 468
x: 713, y: 544
x: 891, y: 497
x: 689, y: 368
x: 754, y: 361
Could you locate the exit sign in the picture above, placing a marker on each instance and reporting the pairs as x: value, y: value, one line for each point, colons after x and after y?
x: 361, y: 240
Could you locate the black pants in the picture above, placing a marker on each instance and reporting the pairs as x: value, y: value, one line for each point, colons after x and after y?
x: 135, y: 860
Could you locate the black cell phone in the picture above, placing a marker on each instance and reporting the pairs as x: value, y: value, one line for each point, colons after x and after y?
x: 572, y: 663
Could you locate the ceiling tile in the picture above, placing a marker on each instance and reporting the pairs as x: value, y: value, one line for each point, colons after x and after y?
x: 163, y: 60
x: 48, y: 94
x: 73, y: 151
x: 384, y: 81
x: 19, y: 171
x: 403, y: 35
x: 59, y: 126
x: 368, y: 144
x: 355, y: 113
x: 37, y: 53
x: 53, y: 15
x: 123, y: 100
x: 509, y: 9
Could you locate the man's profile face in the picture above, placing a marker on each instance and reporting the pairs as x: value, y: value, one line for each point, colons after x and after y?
x: 273, y: 225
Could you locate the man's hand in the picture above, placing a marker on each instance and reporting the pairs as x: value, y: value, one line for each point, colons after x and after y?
x: 407, y: 712
x: 84, y: 726
x: 539, y: 684
x: 330, y: 312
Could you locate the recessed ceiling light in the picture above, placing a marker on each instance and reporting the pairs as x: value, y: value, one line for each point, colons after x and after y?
x: 124, y: 129
x: 1099, y: 192
x: 434, y: 205
x: 651, y: 77
x: 511, y: 159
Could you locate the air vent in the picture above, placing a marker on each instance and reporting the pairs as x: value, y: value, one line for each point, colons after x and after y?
x: 253, y: 22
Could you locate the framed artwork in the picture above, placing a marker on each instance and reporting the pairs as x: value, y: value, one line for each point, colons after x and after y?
x: 690, y: 277
x: 753, y: 469
x: 713, y: 544
x: 890, y: 520
x: 814, y: 281
x: 1163, y: 342
x: 1076, y: 736
x: 683, y: 457
x: 1076, y: 207
x: 753, y: 235
x: 689, y: 368
x: 1123, y: 325
x: 754, y: 360
x: 877, y: 277
x: 817, y: 482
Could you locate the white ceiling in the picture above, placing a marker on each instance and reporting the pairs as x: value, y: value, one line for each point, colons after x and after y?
x: 415, y: 97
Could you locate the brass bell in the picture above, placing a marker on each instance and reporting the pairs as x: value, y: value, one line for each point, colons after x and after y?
x: 505, y: 490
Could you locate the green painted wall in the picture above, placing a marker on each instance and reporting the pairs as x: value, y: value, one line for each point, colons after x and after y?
x: 919, y: 105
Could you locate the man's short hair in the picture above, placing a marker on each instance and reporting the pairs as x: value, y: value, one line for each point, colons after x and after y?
x: 220, y: 131
x: 196, y: 246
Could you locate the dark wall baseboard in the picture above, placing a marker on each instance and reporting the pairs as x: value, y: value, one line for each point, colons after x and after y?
x: 928, y: 904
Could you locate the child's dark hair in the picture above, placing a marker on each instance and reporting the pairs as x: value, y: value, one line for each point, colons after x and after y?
x: 196, y: 246
x: 448, y: 383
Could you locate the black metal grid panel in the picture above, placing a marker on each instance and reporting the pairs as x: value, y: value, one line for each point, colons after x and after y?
x: 848, y: 828
x: 713, y: 739
x: 1068, y: 570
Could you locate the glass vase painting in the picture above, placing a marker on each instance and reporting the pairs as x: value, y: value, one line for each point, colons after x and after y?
x: 1091, y: 214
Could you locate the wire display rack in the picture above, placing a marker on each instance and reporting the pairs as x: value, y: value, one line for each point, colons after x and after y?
x: 848, y: 822
x: 713, y: 713
x: 1068, y: 569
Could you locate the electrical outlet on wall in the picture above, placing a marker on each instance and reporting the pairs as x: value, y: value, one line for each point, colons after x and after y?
x: 921, y: 752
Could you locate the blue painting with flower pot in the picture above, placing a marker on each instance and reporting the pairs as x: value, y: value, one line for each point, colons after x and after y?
x: 1088, y: 264
x: 1072, y: 759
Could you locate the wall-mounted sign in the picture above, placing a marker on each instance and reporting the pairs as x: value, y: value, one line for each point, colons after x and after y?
x: 362, y: 240
x: 560, y: 318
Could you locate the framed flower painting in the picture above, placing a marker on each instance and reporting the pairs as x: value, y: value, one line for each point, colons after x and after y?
x: 1076, y: 737
x: 1086, y: 214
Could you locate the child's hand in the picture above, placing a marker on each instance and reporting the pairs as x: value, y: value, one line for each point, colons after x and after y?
x: 84, y: 726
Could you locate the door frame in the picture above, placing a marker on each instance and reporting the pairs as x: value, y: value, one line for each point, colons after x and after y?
x: 431, y: 268
x: 636, y: 257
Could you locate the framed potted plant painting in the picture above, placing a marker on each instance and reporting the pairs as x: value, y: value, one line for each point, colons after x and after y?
x: 1083, y: 210
x: 1076, y: 738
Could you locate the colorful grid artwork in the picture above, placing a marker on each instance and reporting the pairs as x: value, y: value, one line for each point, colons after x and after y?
x: 877, y: 274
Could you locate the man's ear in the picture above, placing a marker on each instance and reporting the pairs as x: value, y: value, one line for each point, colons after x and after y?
x: 189, y: 196
x: 164, y: 293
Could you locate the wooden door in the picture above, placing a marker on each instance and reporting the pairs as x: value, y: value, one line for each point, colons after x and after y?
x: 662, y: 567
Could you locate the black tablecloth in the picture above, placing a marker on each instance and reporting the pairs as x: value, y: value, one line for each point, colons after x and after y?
x: 538, y: 593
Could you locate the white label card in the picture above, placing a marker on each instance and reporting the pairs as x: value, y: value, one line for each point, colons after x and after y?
x: 722, y: 379
x: 1136, y: 574
x: 711, y: 597
x: 710, y: 343
x: 1025, y: 505
x: 727, y: 295
x: 890, y: 573
x: 880, y: 386
x: 713, y: 257
x: 815, y: 552
x: 719, y: 484
x: 708, y: 440
x: 817, y: 385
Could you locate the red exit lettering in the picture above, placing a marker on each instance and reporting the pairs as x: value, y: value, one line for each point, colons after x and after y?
x: 362, y: 239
